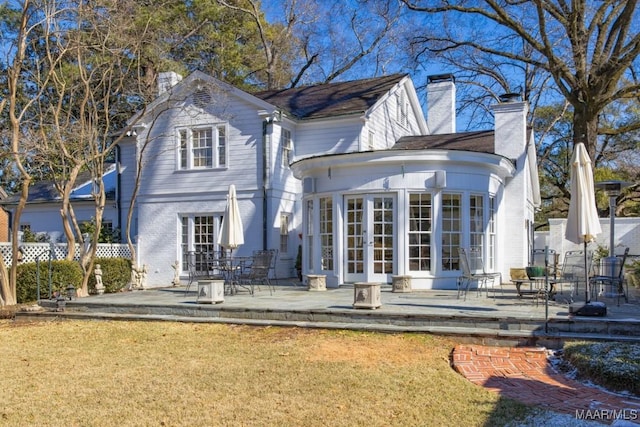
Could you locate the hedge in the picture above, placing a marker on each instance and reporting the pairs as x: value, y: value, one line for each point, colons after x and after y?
x: 63, y: 274
x: 116, y: 274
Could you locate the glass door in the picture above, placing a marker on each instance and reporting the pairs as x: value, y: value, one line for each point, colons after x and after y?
x: 370, y: 238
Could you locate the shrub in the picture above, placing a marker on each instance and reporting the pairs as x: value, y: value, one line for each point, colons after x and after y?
x: 116, y: 274
x: 63, y: 274
x: 613, y: 365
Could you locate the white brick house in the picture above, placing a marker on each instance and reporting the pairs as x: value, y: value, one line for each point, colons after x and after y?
x: 351, y: 171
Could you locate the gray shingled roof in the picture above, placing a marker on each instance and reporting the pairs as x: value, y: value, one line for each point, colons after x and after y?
x: 331, y: 99
x: 478, y: 141
x: 45, y: 191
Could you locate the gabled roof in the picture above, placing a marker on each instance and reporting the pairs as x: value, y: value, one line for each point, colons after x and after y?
x: 45, y: 191
x: 331, y: 99
x: 478, y: 141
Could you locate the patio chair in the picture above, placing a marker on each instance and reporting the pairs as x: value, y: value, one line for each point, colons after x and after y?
x: 572, y: 272
x: 257, y: 272
x: 546, y: 258
x: 477, y: 267
x: 468, y: 277
x: 611, y: 277
x: 272, y: 267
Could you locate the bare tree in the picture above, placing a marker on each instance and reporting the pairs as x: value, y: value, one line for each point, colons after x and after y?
x: 589, y: 48
x: 341, y: 40
x: 29, y: 23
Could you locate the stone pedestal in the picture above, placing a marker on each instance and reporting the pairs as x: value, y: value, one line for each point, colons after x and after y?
x: 316, y: 282
x: 400, y: 283
x: 210, y: 291
x: 366, y: 295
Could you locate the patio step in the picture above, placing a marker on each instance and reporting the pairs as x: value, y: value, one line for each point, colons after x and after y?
x: 480, y: 329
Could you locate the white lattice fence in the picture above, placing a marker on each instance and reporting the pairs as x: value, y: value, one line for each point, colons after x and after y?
x: 31, y: 252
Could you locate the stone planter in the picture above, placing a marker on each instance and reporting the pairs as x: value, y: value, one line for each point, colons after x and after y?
x: 316, y: 282
x: 400, y: 284
x: 366, y: 295
x: 210, y: 291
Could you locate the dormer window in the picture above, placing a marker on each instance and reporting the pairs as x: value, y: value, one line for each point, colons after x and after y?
x: 202, y: 147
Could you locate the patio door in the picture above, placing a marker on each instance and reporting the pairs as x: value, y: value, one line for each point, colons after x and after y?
x: 370, y: 238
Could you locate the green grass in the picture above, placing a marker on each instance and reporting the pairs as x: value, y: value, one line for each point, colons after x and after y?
x: 92, y: 373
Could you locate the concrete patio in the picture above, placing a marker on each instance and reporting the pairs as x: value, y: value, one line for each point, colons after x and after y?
x: 500, y: 318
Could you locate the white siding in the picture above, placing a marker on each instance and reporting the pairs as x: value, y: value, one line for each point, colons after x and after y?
x: 328, y: 137
x: 244, y: 142
x: 159, y: 244
x: 382, y: 121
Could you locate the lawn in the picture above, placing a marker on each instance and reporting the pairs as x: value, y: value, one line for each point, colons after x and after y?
x: 106, y: 373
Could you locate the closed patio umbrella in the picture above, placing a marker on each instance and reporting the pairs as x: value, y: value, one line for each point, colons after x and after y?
x: 231, y: 231
x: 583, y: 224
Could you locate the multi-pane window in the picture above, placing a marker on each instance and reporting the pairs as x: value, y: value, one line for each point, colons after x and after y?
x: 491, y: 254
x: 371, y: 143
x: 198, y: 145
x: 198, y: 240
x: 284, y: 233
x: 287, y: 147
x: 451, y: 230
x: 310, y: 234
x: 420, y: 229
x: 476, y: 226
x: 326, y: 233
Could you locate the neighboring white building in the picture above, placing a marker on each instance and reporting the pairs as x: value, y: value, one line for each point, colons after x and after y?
x: 351, y: 171
x: 41, y: 214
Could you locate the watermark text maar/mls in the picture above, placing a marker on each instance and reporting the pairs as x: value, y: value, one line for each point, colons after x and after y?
x: 607, y: 414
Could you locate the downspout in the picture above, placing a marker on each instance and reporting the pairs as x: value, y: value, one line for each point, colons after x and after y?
x: 265, y: 137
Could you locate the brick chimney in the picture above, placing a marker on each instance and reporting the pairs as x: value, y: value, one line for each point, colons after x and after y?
x: 441, y: 104
x: 167, y: 80
x: 511, y: 127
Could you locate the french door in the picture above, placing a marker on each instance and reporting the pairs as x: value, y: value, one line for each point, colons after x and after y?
x: 369, y: 238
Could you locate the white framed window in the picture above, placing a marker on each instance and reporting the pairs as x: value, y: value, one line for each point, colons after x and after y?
x: 284, y: 233
x: 451, y: 230
x: 491, y: 254
x: 287, y: 147
x: 326, y: 233
x: 371, y: 143
x: 198, y: 240
x: 309, y: 234
x: 202, y: 147
x: 476, y: 226
x: 420, y: 231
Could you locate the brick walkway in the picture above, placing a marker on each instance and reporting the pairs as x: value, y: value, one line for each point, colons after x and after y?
x: 525, y: 374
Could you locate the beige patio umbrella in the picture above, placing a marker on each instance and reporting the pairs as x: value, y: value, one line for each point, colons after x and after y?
x: 583, y: 224
x: 231, y: 231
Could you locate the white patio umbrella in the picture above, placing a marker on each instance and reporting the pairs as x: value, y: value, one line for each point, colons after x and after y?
x: 231, y: 231
x: 583, y: 224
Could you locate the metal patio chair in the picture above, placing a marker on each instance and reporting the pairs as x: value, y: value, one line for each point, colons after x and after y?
x: 469, y: 276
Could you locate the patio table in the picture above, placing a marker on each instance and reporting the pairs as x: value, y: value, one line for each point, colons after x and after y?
x: 229, y: 268
x: 536, y: 287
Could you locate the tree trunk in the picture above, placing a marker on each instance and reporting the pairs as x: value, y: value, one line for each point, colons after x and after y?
x: 585, y: 130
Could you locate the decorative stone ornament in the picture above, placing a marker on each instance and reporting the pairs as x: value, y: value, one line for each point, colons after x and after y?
x: 210, y: 291
x: 400, y: 284
x: 366, y: 295
x: 316, y: 282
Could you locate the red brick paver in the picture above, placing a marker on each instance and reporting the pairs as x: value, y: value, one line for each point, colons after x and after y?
x: 526, y: 374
